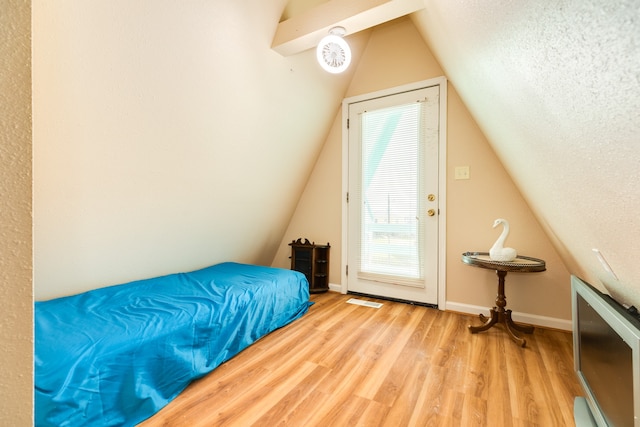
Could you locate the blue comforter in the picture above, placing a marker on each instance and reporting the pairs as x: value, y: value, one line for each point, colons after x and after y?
x: 116, y: 355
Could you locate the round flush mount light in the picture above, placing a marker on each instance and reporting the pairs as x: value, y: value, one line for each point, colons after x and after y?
x: 333, y: 52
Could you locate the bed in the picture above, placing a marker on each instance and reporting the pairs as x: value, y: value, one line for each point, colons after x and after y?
x: 117, y: 355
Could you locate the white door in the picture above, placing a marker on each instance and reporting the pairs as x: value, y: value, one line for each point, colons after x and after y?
x: 393, y: 200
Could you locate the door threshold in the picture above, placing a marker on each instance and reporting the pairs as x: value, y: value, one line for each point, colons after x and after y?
x: 403, y: 301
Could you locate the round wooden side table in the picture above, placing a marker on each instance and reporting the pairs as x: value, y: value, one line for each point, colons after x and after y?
x: 522, y: 264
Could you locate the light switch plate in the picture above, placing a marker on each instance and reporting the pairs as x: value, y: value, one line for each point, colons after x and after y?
x: 462, y: 172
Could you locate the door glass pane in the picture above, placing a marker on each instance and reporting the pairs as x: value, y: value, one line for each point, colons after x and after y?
x: 390, y: 188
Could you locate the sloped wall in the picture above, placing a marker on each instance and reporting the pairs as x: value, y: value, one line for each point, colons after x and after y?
x: 472, y: 205
x: 167, y: 137
x: 554, y: 86
x: 16, y: 293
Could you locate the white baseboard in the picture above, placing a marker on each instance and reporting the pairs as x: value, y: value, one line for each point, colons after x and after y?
x: 335, y: 288
x: 532, y: 319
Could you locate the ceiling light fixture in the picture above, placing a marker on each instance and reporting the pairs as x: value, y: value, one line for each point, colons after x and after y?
x: 333, y: 52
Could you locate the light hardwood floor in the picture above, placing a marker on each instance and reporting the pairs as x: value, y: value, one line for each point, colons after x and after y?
x: 400, y: 365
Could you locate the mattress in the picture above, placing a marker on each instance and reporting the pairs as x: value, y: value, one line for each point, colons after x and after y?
x: 117, y: 355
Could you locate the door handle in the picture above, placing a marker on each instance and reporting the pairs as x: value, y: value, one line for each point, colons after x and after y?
x: 431, y: 212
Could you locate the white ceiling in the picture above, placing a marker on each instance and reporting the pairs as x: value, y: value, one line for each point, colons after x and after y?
x: 555, y: 86
x: 155, y: 116
x: 305, y: 29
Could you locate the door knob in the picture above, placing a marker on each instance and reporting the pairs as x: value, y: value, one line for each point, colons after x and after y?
x: 431, y: 212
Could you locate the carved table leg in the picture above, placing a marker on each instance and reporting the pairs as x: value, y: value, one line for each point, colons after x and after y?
x: 488, y: 322
x: 509, y: 326
x: 527, y: 329
x: 500, y: 315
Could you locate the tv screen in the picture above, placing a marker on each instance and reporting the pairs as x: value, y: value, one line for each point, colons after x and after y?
x: 606, y: 365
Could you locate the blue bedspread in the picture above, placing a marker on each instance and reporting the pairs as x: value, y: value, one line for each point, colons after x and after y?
x: 116, y: 355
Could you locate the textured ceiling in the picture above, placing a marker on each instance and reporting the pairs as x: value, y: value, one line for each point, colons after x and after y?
x: 555, y: 86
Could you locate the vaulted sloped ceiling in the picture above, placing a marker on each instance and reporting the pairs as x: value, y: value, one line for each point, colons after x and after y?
x: 303, y: 30
x: 157, y: 116
x: 556, y: 89
x: 167, y: 137
x: 555, y: 86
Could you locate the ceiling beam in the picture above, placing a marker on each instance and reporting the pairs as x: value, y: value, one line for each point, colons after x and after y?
x: 304, y: 31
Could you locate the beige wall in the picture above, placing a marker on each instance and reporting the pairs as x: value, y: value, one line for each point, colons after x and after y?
x: 472, y: 205
x: 16, y: 359
x: 166, y: 137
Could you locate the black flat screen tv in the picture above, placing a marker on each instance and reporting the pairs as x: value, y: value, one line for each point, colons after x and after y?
x: 606, y: 349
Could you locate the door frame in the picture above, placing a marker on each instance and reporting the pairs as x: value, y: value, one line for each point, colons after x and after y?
x: 442, y: 178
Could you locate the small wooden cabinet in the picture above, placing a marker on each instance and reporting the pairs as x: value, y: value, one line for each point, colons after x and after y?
x: 313, y: 261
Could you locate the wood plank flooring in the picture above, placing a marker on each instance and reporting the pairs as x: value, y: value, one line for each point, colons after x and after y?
x: 399, y: 365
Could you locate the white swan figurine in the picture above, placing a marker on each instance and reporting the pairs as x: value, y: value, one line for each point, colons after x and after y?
x: 498, y: 252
